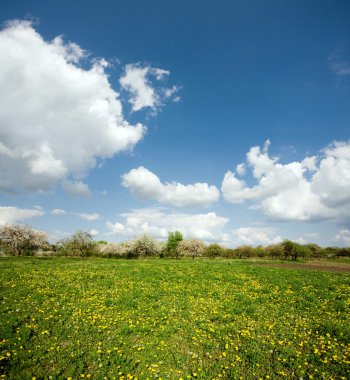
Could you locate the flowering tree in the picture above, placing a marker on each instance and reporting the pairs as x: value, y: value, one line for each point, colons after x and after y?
x: 146, y: 245
x: 109, y: 250
x: 191, y: 247
x: 80, y: 244
x: 18, y: 240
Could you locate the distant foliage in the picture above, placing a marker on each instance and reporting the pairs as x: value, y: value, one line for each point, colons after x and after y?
x: 110, y: 250
x: 20, y: 240
x: 80, y: 244
x: 275, y: 251
x: 214, y: 250
x: 191, y: 248
x: 292, y: 250
x: 146, y: 245
x: 244, y: 252
x: 142, y: 246
x: 171, y: 246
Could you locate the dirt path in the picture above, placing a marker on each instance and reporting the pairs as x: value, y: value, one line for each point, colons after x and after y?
x: 322, y: 266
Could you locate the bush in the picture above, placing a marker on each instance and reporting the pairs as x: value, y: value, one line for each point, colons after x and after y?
x: 214, y: 250
x: 20, y: 240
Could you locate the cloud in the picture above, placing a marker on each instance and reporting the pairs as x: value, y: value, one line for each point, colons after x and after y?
x: 145, y: 185
x: 58, y: 211
x: 168, y: 92
x: 143, y: 93
x: 317, y: 188
x: 343, y: 236
x: 13, y: 215
x: 93, y: 232
x: 57, y: 119
x: 241, y: 169
x: 338, y: 64
x: 76, y: 188
x: 158, y: 222
x: 87, y: 217
x: 255, y: 236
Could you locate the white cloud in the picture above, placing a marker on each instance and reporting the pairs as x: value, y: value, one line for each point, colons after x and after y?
x: 13, y: 215
x: 58, y: 211
x: 146, y: 185
x: 76, y: 188
x: 87, y: 217
x: 241, y: 169
x: 168, y: 92
x: 56, y: 118
x: 343, y: 236
x: 316, y: 188
x: 143, y: 93
x: 160, y: 73
x: 158, y: 222
x: 93, y: 232
x: 255, y: 236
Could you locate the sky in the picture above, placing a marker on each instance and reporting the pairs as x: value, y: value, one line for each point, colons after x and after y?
x: 226, y: 120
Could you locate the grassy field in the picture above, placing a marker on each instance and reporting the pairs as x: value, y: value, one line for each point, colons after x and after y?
x: 166, y: 319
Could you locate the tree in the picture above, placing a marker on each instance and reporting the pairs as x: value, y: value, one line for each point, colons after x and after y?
x: 191, y: 247
x: 275, y: 250
x: 172, y: 243
x: 80, y: 244
x: 244, y: 251
x: 111, y: 250
x: 315, y: 250
x: 127, y: 250
x: 214, y: 250
x: 19, y: 240
x: 295, y: 250
x: 146, y: 245
x: 288, y: 249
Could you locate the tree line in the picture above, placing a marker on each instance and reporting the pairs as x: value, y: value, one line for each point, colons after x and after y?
x: 22, y: 240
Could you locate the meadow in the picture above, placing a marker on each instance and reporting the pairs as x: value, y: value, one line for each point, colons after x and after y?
x: 66, y: 318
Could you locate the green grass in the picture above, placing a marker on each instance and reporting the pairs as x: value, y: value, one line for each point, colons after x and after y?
x: 206, y: 319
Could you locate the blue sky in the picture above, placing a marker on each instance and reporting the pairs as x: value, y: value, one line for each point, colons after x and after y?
x: 228, y: 120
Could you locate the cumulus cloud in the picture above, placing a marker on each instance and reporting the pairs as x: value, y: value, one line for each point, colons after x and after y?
x: 158, y: 222
x: 58, y: 211
x: 241, y: 169
x: 314, y: 189
x: 93, y: 232
x: 76, y: 188
x: 143, y: 93
x: 255, y: 236
x: 343, y: 236
x: 13, y: 215
x: 87, y: 217
x: 56, y: 118
x: 147, y: 186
